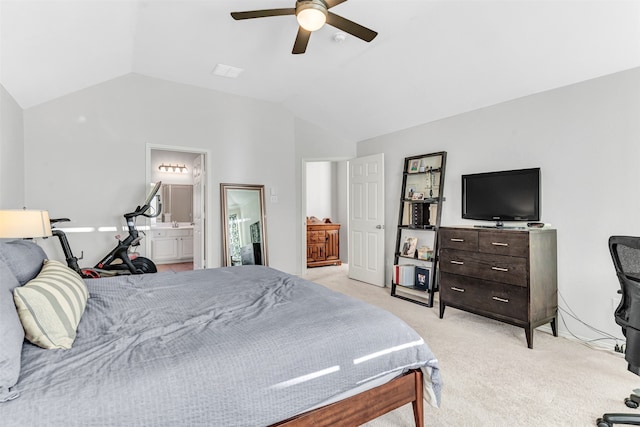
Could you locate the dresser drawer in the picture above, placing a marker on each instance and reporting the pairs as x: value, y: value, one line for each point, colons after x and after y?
x: 484, y: 297
x: 316, y: 237
x: 496, y: 268
x: 454, y: 238
x: 511, y: 243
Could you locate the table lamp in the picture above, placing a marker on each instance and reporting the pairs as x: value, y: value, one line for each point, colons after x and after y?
x: 23, y: 224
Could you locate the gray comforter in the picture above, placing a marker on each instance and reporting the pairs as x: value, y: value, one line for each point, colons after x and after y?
x: 237, y: 346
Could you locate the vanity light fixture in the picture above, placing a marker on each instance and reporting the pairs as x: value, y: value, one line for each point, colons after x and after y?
x: 172, y: 168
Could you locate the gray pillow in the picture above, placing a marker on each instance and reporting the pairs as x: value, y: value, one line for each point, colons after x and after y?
x: 23, y: 257
x: 12, y: 335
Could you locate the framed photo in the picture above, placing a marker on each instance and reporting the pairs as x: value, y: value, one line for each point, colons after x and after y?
x: 409, y: 247
x: 414, y: 166
x: 421, y: 281
x: 417, y: 196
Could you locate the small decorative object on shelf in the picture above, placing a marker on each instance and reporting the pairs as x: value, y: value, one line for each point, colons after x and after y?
x: 418, y: 222
x: 425, y: 253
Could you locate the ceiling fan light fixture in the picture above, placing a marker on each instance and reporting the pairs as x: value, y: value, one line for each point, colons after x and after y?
x: 311, y: 15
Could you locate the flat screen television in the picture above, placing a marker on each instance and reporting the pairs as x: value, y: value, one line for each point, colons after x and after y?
x: 512, y: 195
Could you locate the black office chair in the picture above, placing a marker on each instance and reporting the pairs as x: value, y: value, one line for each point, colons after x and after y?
x: 625, y: 252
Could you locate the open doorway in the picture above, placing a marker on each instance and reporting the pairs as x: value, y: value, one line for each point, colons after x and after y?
x: 325, y: 205
x: 177, y: 238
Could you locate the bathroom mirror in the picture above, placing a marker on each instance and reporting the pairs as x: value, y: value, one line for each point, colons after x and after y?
x: 243, y: 224
x: 177, y: 203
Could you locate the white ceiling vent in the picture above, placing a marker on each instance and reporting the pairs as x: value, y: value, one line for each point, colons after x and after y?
x: 226, y: 71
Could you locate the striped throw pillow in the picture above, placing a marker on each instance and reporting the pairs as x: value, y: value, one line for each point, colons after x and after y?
x: 50, y: 305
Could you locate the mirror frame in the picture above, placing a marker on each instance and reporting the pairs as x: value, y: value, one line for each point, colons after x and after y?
x: 224, y: 188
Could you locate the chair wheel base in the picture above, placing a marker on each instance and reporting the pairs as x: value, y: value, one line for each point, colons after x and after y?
x: 602, y: 423
x: 631, y: 403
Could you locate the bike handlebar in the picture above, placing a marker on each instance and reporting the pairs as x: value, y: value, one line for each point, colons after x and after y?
x: 55, y: 220
x: 142, y: 210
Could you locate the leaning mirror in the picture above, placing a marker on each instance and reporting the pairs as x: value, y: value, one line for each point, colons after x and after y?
x: 243, y: 224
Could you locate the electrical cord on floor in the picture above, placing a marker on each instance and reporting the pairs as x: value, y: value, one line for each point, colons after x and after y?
x: 606, y: 336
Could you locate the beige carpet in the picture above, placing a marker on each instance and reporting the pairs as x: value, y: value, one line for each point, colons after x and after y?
x: 490, y: 376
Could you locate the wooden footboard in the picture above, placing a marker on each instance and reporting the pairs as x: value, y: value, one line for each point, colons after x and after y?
x: 366, y: 406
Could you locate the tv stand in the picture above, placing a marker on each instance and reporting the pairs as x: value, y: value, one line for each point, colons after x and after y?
x: 506, y: 275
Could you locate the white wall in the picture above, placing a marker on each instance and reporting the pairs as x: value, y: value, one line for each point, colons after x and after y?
x: 320, y: 194
x: 11, y: 153
x: 86, y: 156
x: 586, y: 139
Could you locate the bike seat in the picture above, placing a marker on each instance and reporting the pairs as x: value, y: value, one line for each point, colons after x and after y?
x: 54, y: 220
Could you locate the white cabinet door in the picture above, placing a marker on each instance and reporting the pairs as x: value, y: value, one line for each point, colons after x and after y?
x: 185, y: 247
x: 164, y: 249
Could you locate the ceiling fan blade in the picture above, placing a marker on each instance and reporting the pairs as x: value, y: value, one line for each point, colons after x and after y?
x: 263, y: 13
x: 332, y: 3
x: 302, y: 39
x: 350, y: 27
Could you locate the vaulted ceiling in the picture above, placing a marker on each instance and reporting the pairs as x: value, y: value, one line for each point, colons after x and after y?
x: 432, y: 59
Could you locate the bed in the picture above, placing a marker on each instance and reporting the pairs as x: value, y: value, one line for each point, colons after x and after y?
x: 233, y: 346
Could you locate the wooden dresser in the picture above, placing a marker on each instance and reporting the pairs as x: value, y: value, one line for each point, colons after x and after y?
x: 504, y: 274
x: 323, y: 242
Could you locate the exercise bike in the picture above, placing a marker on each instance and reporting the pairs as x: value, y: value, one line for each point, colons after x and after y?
x: 109, y: 265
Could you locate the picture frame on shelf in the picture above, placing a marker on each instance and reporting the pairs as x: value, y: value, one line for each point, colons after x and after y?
x: 414, y: 166
x: 421, y: 281
x: 409, y: 247
x: 417, y: 196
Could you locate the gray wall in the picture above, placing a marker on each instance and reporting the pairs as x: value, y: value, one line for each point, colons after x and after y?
x: 586, y: 139
x: 11, y: 153
x: 86, y: 157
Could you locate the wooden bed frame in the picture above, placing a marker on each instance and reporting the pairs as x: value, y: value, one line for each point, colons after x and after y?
x: 366, y: 406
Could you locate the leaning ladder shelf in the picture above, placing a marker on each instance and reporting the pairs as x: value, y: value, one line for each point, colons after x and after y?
x: 415, y: 263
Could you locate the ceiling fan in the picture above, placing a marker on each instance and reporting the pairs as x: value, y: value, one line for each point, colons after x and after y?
x: 311, y: 16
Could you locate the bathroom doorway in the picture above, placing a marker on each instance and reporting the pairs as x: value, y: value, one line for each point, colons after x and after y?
x: 177, y: 239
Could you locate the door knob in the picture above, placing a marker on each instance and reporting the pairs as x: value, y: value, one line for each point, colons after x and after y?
x: 379, y: 227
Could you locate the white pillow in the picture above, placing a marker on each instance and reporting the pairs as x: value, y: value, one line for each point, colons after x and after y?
x: 51, y: 304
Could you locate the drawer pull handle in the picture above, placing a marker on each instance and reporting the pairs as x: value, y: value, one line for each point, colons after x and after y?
x: 500, y: 299
x: 457, y: 240
x: 457, y: 262
x: 457, y: 289
x: 499, y: 244
x: 500, y: 269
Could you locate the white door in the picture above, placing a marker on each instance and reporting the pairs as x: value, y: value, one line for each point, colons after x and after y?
x: 199, y: 256
x: 366, y: 219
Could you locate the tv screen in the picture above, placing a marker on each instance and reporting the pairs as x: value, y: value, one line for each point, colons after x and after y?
x: 502, y: 196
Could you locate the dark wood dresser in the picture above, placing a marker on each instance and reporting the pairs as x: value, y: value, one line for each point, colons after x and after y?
x: 323, y: 242
x: 505, y: 274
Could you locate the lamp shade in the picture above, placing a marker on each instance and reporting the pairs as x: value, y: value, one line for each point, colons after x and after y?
x: 311, y: 16
x: 22, y: 223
